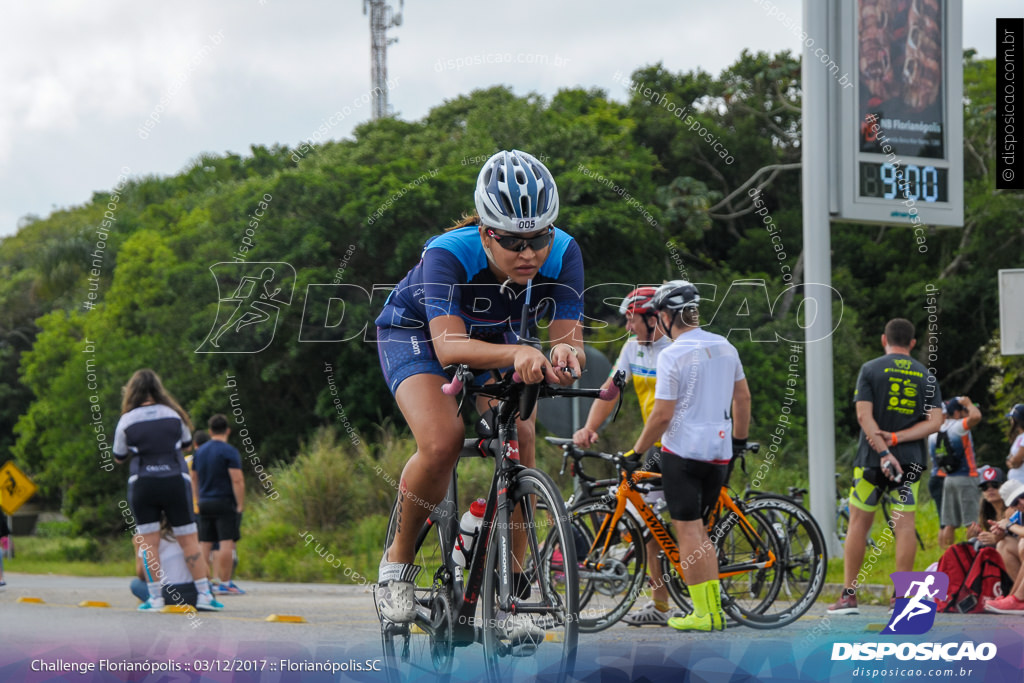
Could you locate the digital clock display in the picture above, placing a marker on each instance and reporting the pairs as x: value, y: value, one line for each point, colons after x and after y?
x: 921, y: 183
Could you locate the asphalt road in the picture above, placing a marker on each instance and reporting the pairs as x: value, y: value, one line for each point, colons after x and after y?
x: 341, y: 625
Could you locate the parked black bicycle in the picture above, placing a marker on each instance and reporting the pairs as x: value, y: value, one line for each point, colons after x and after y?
x: 843, y: 514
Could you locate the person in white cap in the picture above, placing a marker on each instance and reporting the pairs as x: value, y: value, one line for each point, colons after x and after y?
x: 1012, y: 493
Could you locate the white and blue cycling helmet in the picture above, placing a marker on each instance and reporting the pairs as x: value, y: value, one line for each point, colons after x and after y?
x: 516, y: 193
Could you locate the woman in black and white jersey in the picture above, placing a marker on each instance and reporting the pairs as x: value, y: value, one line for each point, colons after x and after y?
x: 153, y: 428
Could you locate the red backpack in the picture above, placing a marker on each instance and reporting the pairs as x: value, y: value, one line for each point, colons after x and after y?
x: 974, y: 574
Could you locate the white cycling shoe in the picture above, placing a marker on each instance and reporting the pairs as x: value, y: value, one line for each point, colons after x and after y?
x: 395, y: 592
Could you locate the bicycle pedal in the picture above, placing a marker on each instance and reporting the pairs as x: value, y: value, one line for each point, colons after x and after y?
x: 388, y: 626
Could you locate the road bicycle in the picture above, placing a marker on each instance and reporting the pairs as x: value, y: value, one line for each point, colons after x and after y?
x: 524, y: 520
x: 770, y: 551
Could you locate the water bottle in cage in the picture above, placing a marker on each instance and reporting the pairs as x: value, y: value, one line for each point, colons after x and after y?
x: 469, y: 529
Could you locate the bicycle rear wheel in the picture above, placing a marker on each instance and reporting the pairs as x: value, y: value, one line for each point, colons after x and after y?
x: 426, y: 646
x: 803, y: 559
x: 611, y: 577
x: 744, y: 551
x: 534, y: 634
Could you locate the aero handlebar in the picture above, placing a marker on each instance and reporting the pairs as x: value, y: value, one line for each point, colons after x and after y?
x: 608, y: 394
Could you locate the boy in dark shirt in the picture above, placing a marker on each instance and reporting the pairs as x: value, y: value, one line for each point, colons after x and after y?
x: 218, y: 485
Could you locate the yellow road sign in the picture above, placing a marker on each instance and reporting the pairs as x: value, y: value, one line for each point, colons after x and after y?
x: 15, y: 488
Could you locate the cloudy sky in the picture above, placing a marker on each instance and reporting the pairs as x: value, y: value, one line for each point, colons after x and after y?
x: 81, y: 80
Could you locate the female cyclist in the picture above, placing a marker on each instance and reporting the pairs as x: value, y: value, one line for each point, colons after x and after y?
x: 153, y: 428
x: 460, y: 305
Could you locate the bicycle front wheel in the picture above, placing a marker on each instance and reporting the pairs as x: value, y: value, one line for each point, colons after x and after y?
x: 803, y: 560
x: 612, y: 575
x: 530, y: 631
x: 426, y: 646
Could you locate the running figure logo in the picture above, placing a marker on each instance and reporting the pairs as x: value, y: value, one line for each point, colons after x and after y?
x: 247, y: 316
x: 914, y: 612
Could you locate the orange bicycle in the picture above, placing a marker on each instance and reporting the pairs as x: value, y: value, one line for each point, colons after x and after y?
x: 758, y: 564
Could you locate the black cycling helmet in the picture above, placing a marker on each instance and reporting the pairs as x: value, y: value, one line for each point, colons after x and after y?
x: 1017, y: 414
x: 676, y: 296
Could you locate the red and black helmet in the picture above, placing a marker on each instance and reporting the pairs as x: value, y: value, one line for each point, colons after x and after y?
x: 638, y: 302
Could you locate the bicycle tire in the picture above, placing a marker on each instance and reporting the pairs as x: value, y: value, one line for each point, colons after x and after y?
x: 553, y: 601
x: 410, y: 652
x: 677, y: 588
x: 804, y: 558
x: 842, y: 520
x: 607, y: 594
x: 747, y: 594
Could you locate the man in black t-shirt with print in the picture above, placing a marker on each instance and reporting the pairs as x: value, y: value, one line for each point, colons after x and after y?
x: 218, y: 485
x: 898, y: 405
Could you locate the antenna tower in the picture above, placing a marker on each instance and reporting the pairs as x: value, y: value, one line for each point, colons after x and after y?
x: 382, y: 17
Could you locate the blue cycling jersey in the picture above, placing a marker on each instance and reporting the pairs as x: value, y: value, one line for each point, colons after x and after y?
x: 453, y: 278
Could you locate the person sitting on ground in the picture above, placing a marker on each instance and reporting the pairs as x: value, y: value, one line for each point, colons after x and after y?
x: 177, y: 587
x: 1012, y: 527
x: 991, y: 508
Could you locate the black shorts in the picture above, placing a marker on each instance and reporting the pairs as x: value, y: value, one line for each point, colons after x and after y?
x: 691, y: 486
x: 218, y: 520
x: 151, y: 496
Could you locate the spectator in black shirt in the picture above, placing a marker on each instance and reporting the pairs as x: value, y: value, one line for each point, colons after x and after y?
x: 898, y: 405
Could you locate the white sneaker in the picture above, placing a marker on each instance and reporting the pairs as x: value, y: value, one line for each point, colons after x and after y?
x: 152, y: 605
x: 395, y: 591
x: 649, y: 615
x: 208, y: 603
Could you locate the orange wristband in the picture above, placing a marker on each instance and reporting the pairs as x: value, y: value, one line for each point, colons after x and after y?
x: 894, y: 439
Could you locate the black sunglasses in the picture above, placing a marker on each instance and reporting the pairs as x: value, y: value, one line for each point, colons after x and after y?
x: 521, y: 243
x: 988, y: 485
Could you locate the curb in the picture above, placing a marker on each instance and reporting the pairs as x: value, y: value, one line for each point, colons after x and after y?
x: 874, y: 590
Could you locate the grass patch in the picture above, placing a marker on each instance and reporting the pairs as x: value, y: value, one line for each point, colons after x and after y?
x: 927, y: 522
x: 71, y: 556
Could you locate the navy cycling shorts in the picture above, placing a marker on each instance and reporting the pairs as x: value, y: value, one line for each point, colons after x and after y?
x: 405, y: 352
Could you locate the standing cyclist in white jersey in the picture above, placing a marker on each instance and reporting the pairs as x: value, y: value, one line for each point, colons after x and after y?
x: 702, y: 414
x: 638, y: 359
